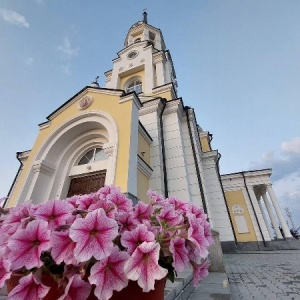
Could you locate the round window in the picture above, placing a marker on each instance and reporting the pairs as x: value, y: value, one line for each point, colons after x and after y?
x: 132, y: 54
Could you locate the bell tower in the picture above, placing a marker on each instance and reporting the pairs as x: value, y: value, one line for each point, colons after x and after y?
x: 144, y: 65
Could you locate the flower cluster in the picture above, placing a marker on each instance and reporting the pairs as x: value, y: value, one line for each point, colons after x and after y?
x: 96, y: 243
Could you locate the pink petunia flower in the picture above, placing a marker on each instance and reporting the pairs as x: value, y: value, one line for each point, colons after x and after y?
x: 122, y: 203
x: 108, y: 274
x: 55, y: 212
x: 76, y: 289
x: 196, y: 236
x: 168, y: 215
x: 62, y: 247
x: 107, y: 190
x: 143, y: 266
x: 85, y: 201
x: 4, y: 271
x: 108, y: 206
x: 4, y: 250
x: 28, y: 288
x: 178, y: 204
x: 197, y: 211
x: 27, y: 244
x: 16, y: 216
x: 93, y: 235
x: 180, y: 254
x: 132, y: 239
x: 126, y: 222
x: 142, y: 212
x: 200, y: 272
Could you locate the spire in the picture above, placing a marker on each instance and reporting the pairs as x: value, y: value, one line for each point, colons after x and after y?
x: 145, y: 16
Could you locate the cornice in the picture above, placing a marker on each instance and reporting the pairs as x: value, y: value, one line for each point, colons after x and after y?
x: 210, y: 155
x: 150, y: 106
x: 249, y: 174
x: 42, y: 166
x: 78, y: 97
x: 203, y: 134
x: 144, y: 167
x: 131, y: 97
x: 23, y: 156
x: 163, y: 88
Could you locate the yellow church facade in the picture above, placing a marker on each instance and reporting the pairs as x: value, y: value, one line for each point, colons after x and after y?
x: 136, y: 133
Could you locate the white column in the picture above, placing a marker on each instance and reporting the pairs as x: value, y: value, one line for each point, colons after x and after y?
x: 255, y: 208
x: 265, y: 218
x: 282, y: 221
x: 272, y: 218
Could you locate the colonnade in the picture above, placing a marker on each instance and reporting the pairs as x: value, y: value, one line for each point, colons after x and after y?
x: 265, y: 192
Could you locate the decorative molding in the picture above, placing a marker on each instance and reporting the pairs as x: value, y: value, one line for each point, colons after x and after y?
x: 42, y: 166
x: 131, y: 97
x: 23, y: 156
x: 121, y: 69
x: 161, y: 89
x: 203, y: 134
x: 82, y: 94
x: 210, y: 155
x: 108, y: 149
x: 144, y: 167
x: 150, y: 107
x: 85, y: 102
x: 158, y: 57
x: 44, y: 125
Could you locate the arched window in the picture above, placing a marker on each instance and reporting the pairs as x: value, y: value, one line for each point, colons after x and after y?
x: 135, y: 85
x: 94, y: 155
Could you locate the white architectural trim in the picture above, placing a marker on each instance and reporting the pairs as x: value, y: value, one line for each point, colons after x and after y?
x: 144, y: 167
x: 63, y: 143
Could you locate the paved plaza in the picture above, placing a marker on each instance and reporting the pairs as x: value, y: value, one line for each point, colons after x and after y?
x: 264, y: 275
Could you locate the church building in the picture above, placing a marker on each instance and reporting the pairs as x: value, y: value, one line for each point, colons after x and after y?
x: 137, y: 133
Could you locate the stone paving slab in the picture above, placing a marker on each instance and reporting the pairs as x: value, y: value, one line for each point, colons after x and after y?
x: 264, y: 275
x: 215, y: 287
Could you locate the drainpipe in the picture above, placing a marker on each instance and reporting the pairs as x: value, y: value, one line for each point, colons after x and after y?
x: 253, y: 209
x: 226, y: 204
x: 195, y: 159
x: 163, y: 150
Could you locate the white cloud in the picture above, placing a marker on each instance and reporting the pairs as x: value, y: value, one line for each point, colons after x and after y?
x: 287, y: 191
x: 66, y: 69
x: 29, y: 61
x: 291, y: 147
x: 13, y: 17
x: 67, y: 49
x: 287, y: 162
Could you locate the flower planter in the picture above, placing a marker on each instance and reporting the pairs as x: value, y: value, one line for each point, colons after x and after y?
x: 133, y: 291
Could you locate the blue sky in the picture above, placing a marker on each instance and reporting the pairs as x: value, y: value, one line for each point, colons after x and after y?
x: 237, y: 64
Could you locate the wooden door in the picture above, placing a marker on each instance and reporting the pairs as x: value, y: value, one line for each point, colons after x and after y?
x: 87, y: 184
